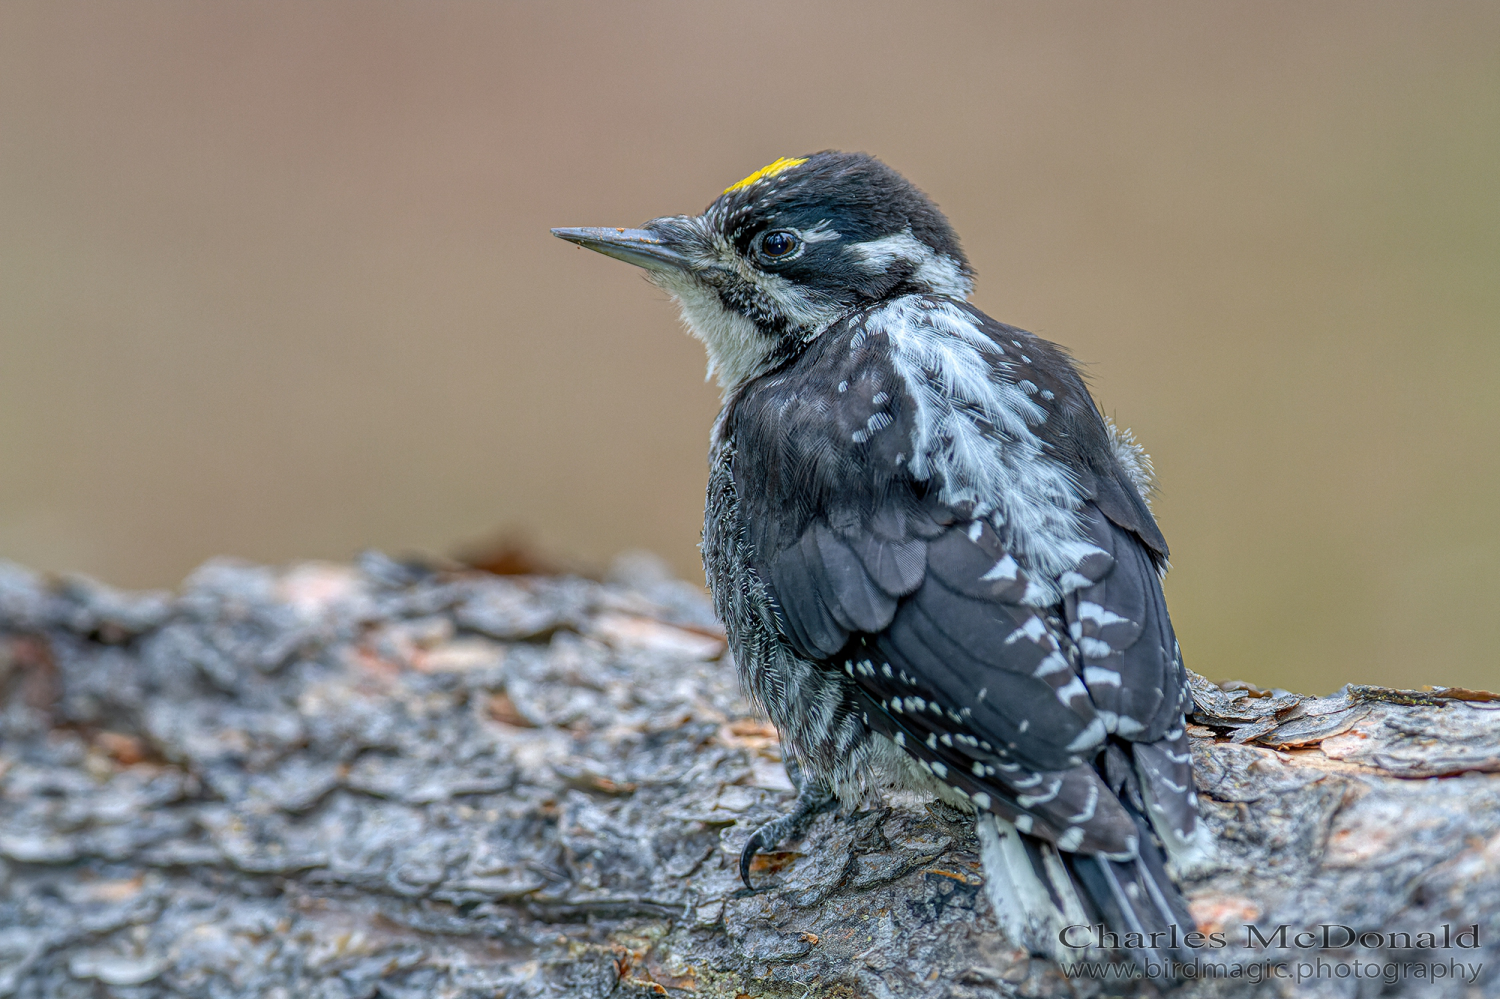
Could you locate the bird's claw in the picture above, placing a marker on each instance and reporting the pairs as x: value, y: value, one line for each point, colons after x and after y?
x: 811, y: 802
x: 753, y: 845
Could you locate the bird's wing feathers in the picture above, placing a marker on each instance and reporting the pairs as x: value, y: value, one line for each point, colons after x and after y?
x: 1129, y: 652
x: 926, y: 607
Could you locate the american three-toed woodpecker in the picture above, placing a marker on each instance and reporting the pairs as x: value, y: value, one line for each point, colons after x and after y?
x: 933, y: 556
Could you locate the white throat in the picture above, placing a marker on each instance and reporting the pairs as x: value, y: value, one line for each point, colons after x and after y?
x: 737, y: 351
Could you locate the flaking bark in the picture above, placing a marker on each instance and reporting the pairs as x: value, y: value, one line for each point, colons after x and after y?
x: 387, y: 780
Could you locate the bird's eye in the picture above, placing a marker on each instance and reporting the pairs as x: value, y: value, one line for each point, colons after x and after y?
x: 778, y: 245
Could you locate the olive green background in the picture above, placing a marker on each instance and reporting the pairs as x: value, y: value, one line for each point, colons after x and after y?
x: 276, y: 282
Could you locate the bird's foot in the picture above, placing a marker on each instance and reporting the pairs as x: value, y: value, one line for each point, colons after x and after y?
x: 812, y: 800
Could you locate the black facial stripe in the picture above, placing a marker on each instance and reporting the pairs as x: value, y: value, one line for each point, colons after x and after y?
x: 751, y: 302
x: 859, y: 196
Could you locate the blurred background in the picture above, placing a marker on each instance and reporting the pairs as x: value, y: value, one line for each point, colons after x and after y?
x: 276, y: 281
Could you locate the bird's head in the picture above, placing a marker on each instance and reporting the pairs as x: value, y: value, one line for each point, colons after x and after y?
x: 781, y: 255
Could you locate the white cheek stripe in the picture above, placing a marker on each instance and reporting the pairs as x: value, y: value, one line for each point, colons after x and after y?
x: 937, y: 271
x: 820, y: 233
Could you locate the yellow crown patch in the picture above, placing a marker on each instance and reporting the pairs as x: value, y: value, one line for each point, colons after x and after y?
x: 785, y: 163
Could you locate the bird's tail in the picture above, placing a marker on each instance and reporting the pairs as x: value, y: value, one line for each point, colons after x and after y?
x: 1139, y: 903
x: 1072, y: 907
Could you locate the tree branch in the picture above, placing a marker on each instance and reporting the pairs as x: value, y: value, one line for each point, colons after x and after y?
x: 391, y: 780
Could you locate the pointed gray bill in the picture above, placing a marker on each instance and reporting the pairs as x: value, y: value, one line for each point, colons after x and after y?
x: 641, y: 247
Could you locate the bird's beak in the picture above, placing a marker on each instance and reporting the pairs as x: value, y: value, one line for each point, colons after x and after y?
x: 642, y: 247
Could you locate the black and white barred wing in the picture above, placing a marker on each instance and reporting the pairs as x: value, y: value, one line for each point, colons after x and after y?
x: 962, y: 656
x: 1133, y: 669
x: 976, y: 685
x: 983, y: 691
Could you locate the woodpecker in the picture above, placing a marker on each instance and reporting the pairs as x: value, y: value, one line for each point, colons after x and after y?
x: 933, y: 556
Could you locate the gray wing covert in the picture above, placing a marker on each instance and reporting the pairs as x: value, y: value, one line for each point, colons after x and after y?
x: 1133, y: 668
x: 1131, y: 663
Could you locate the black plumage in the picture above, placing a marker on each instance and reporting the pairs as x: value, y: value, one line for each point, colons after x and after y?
x: 933, y: 556
x: 864, y: 564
